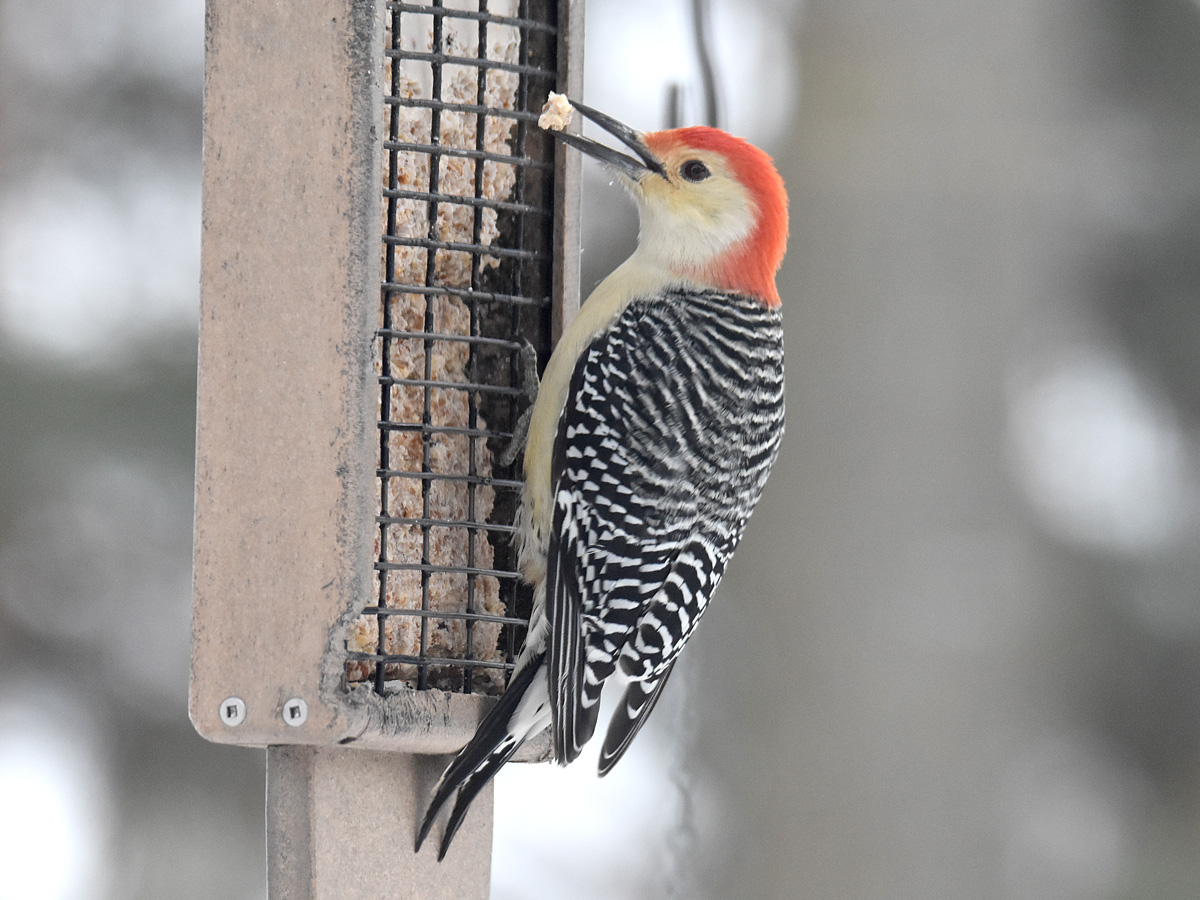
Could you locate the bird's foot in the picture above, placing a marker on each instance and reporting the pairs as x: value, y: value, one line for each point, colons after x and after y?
x: 527, y: 357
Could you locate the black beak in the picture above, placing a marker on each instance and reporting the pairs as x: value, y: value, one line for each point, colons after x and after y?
x: 622, y: 162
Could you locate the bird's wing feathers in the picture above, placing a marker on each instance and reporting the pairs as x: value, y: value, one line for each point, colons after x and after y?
x: 648, y: 508
x: 640, y: 698
x: 569, y: 590
x: 565, y: 596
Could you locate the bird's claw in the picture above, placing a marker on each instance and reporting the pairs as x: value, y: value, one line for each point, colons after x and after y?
x: 528, y: 360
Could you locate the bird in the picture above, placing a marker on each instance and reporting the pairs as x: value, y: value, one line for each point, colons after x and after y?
x: 656, y: 422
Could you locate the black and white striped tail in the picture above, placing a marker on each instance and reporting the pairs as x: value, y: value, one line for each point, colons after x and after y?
x: 629, y: 718
x: 491, y: 747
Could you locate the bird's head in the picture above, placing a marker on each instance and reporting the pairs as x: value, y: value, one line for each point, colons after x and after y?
x: 713, y: 209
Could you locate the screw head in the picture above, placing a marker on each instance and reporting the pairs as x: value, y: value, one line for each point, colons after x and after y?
x: 233, y: 711
x: 295, y: 712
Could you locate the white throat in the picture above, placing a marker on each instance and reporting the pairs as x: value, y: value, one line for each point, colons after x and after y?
x: 683, y: 238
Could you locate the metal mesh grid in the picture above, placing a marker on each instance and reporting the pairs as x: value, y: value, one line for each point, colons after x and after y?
x: 466, y: 256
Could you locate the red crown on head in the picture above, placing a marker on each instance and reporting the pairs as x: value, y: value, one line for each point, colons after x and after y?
x: 750, y: 265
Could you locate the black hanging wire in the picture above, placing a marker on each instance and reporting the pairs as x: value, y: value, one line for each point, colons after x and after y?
x: 710, y: 94
x: 702, y: 36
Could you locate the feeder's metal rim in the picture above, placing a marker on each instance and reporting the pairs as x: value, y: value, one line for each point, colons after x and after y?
x: 478, y: 16
x: 486, y: 156
x: 432, y: 569
x: 474, y: 387
x: 503, y: 483
x: 425, y: 662
x: 421, y: 428
x: 458, y: 200
x: 435, y: 614
x: 476, y: 109
x: 397, y: 287
x: 457, y: 246
x: 445, y: 59
x: 438, y: 336
x: 446, y: 523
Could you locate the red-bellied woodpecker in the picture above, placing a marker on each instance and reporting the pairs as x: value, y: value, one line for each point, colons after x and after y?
x: 657, y: 420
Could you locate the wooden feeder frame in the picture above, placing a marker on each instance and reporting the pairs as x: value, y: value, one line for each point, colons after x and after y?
x: 287, y: 437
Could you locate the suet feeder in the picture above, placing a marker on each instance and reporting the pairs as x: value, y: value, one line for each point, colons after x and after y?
x: 385, y: 229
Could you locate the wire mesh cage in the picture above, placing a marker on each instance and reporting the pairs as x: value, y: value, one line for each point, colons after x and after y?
x: 466, y: 265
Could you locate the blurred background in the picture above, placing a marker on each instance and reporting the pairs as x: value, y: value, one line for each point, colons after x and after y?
x: 958, y: 654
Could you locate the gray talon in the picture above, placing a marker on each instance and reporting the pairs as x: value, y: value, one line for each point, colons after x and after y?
x: 509, y: 455
x: 529, y: 369
x: 529, y: 384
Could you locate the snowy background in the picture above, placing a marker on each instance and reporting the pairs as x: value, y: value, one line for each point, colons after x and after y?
x: 958, y: 655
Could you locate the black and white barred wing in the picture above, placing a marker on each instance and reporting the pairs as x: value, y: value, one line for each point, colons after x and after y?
x: 672, y: 423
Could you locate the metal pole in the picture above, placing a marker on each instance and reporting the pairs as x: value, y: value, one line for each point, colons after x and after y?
x: 341, y: 823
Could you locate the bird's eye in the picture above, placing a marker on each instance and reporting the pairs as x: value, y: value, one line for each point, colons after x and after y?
x: 694, y: 170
